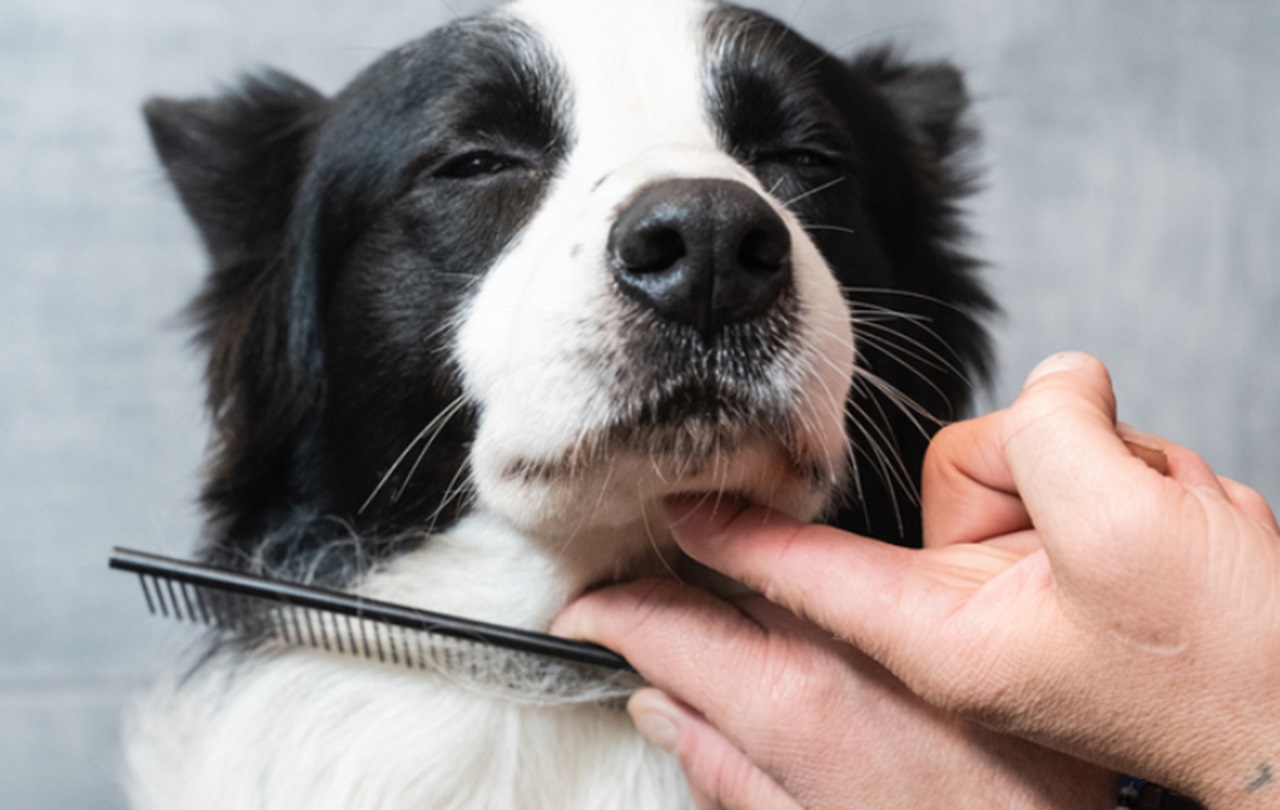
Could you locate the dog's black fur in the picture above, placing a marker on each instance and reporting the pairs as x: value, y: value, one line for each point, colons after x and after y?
x: 345, y: 232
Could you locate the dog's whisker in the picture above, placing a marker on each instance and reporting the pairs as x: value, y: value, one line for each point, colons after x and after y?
x: 894, y: 354
x: 457, y: 488
x: 604, y: 491
x: 658, y: 472
x: 445, y: 415
x: 812, y: 191
x: 448, y: 414
x: 914, y: 413
x: 879, y: 428
x: 893, y: 291
x: 952, y: 365
x: 836, y: 228
x: 888, y: 464
x: 880, y: 467
x: 835, y: 403
x: 657, y: 549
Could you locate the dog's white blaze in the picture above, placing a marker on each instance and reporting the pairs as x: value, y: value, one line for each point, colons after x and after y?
x: 536, y: 342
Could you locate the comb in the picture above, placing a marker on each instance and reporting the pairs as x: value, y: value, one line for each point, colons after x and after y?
x: 489, y: 655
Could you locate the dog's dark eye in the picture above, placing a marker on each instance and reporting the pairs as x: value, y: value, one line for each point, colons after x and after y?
x: 798, y: 158
x: 476, y: 164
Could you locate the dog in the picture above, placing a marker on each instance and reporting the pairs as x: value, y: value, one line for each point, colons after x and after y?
x: 471, y: 319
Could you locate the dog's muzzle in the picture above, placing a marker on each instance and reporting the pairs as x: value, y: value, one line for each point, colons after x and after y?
x: 701, y: 252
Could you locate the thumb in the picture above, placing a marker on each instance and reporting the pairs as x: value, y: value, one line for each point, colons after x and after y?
x: 843, y: 582
x: 1081, y: 484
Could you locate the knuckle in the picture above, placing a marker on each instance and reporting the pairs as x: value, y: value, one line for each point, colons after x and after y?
x: 652, y: 603
x: 1248, y: 500
x: 980, y: 683
x: 638, y: 615
x: 936, y: 453
x: 938, y: 467
x: 804, y: 682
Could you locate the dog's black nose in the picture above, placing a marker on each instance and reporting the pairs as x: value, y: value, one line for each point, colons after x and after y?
x: 706, y: 253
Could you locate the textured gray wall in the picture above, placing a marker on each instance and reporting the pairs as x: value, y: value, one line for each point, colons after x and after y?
x: 1133, y: 210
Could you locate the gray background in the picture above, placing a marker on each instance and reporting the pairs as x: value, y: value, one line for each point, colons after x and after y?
x: 1132, y: 211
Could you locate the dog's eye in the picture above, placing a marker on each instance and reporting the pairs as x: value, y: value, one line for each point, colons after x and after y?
x: 798, y: 158
x: 476, y: 164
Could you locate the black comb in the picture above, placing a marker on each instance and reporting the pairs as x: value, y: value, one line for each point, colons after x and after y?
x: 306, y: 615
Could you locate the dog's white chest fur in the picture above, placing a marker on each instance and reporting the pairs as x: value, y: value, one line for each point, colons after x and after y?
x: 323, y: 733
x: 304, y: 728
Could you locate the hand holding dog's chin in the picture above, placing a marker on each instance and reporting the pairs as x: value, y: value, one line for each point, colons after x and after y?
x: 765, y: 712
x: 1068, y: 593
x: 1137, y: 621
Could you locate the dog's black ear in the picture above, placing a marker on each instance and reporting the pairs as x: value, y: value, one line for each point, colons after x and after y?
x: 237, y: 162
x: 236, y: 159
x: 917, y: 192
x: 914, y: 132
x: 929, y: 98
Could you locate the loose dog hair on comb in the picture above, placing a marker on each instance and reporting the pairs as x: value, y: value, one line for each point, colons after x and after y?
x: 523, y: 665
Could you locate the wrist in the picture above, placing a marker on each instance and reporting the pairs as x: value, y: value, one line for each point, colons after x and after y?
x: 1245, y: 772
x: 1136, y: 794
x: 1245, y: 788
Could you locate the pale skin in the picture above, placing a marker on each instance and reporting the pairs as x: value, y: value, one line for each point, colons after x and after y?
x: 1089, y: 600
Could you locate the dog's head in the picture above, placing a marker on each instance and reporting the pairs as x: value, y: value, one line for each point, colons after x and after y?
x: 558, y: 261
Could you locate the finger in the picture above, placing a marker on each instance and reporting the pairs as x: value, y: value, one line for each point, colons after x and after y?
x: 967, y: 491
x: 861, y: 590
x: 1191, y: 470
x: 676, y: 636
x: 1080, y: 482
x: 1250, y: 502
x: 714, y: 655
x: 719, y: 775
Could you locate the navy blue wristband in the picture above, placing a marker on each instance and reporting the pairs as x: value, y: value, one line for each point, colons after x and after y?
x: 1138, y: 794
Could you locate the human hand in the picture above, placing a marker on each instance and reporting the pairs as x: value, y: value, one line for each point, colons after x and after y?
x: 766, y: 711
x: 1068, y: 594
x: 1135, y: 617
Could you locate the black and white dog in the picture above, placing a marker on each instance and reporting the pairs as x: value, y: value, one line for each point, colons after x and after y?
x: 472, y: 318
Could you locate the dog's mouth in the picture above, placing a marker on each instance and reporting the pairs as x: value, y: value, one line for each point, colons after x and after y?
x: 686, y: 403
x: 686, y: 430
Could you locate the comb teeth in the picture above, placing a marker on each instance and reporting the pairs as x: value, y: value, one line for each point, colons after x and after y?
x: 305, y: 627
x: 533, y: 666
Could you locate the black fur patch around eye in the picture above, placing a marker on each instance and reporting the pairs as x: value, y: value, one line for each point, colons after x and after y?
x: 869, y: 155
x: 339, y: 258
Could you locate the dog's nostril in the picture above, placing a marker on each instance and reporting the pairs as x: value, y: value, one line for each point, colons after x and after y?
x: 706, y: 253
x: 653, y: 249
x: 766, y: 249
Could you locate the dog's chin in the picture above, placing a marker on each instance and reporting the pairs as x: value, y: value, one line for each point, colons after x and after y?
x: 618, y: 476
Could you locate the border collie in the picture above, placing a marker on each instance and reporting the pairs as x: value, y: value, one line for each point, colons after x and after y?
x: 472, y: 318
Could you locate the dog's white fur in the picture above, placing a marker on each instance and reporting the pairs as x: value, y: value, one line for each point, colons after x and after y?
x: 300, y: 728
x: 535, y: 343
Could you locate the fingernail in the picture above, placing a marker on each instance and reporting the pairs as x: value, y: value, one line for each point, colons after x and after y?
x: 657, y: 729
x: 651, y: 715
x: 1063, y: 361
x: 1145, y: 446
